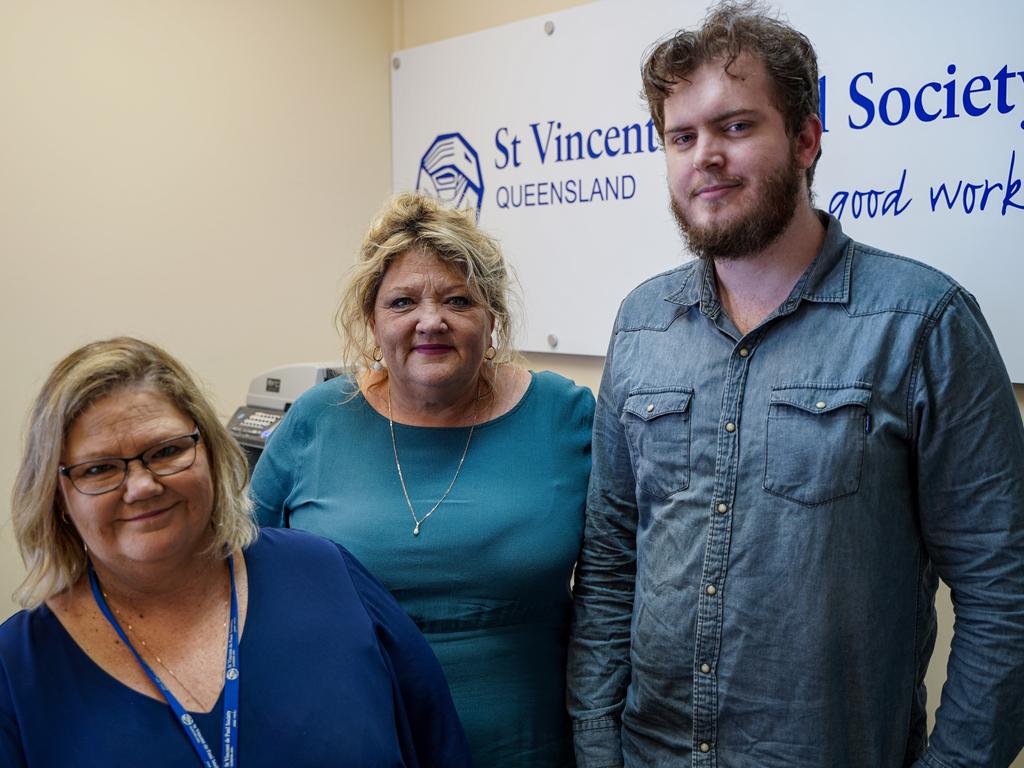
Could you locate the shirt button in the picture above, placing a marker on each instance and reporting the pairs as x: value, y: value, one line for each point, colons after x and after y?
x: 723, y: 508
x: 744, y: 351
x: 820, y: 404
x: 730, y: 427
x: 711, y: 589
x: 650, y: 407
x: 705, y: 668
x: 705, y: 747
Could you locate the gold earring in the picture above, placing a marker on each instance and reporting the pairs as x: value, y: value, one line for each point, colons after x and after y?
x: 377, y: 355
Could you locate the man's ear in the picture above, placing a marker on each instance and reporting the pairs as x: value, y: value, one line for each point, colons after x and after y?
x: 807, y: 142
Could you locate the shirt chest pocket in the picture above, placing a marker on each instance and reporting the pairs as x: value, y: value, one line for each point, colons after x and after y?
x: 815, y: 441
x: 657, y: 426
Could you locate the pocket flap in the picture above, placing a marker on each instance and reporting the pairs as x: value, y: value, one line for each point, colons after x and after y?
x: 650, y: 404
x: 817, y: 398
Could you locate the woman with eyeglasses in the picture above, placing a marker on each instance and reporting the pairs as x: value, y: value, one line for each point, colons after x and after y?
x: 161, y: 630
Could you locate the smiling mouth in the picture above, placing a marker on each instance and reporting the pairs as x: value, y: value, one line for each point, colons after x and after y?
x: 149, y: 515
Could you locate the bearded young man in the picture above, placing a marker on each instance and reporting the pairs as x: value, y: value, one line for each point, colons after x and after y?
x: 796, y: 437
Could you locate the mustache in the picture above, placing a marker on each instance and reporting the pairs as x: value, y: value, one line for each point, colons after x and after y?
x: 714, y: 181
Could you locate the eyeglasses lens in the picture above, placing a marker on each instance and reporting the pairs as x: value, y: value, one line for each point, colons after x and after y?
x: 166, y: 458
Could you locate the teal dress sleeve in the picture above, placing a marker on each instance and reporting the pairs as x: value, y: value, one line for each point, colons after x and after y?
x: 269, y: 487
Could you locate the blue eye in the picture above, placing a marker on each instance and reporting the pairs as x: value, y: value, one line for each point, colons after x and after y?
x: 460, y: 302
x: 401, y: 302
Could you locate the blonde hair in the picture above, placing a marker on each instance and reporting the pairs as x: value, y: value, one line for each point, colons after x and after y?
x: 50, y: 547
x: 414, y: 222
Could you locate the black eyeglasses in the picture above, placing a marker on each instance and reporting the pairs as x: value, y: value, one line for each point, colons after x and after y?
x: 168, y: 457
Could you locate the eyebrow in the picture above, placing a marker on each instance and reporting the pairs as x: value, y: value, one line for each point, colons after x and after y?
x: 720, y: 117
x: 153, y: 444
x: 446, y: 288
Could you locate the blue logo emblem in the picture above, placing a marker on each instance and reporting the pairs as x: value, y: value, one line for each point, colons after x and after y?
x: 450, y: 171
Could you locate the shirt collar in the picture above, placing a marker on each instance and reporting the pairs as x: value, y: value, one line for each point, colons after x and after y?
x: 826, y: 280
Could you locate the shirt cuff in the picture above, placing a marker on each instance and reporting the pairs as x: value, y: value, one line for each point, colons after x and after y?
x: 598, y: 743
x: 929, y: 761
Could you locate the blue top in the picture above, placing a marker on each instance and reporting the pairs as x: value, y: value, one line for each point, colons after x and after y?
x: 768, y: 515
x: 487, y: 579
x: 333, y: 673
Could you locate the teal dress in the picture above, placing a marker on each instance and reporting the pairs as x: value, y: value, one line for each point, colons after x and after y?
x: 487, y: 578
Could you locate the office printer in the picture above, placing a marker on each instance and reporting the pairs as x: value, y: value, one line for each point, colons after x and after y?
x: 270, y: 395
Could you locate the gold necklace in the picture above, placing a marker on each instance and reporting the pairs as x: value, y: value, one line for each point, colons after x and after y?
x: 152, y: 653
x: 398, y: 464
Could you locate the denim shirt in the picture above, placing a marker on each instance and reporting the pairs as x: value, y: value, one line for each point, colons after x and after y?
x: 768, y: 516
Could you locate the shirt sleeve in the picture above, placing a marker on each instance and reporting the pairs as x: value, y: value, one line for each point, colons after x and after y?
x: 599, y: 667
x: 273, y: 477
x: 11, y: 752
x: 969, y: 456
x: 427, y: 712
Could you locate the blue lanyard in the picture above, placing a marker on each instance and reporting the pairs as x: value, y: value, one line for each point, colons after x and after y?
x: 229, y: 751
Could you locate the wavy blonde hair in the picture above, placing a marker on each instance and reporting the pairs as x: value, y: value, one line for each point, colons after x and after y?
x: 50, y: 546
x: 414, y: 222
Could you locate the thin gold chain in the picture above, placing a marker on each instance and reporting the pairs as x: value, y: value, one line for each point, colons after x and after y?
x: 152, y: 653
x: 398, y: 465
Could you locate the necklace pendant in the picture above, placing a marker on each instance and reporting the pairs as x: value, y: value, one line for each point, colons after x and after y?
x: 401, y: 476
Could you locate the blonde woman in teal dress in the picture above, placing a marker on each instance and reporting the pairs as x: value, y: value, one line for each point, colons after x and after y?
x: 456, y: 476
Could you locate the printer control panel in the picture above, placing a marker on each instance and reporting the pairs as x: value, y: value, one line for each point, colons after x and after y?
x: 252, y: 426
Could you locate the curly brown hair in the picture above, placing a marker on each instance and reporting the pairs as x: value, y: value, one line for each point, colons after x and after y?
x: 730, y: 29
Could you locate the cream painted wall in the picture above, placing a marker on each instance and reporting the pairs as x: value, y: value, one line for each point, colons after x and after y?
x: 426, y: 21
x: 197, y: 173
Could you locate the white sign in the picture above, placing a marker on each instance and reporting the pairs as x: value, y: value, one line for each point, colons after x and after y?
x: 541, y: 125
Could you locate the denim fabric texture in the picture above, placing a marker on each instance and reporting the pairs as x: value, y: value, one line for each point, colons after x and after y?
x: 769, y: 514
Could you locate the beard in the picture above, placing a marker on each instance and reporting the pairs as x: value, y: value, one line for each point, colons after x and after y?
x: 753, y: 231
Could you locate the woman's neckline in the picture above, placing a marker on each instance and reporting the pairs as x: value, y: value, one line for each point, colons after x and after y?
x: 71, y: 637
x: 507, y: 413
